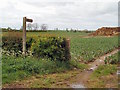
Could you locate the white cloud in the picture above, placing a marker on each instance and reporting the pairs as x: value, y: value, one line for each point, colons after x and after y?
x: 61, y: 14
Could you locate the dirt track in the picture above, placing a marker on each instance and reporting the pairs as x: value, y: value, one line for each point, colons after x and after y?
x: 82, y: 78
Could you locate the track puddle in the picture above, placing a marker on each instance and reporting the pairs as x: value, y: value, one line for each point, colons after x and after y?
x: 77, y: 86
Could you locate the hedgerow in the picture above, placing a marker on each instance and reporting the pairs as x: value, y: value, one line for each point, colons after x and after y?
x: 54, y: 48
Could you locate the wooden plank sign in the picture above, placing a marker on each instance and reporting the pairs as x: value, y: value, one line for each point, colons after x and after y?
x: 29, y: 20
x: 24, y: 33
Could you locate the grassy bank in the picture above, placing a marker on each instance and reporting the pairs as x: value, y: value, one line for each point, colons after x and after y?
x: 104, y: 77
x: 18, y: 68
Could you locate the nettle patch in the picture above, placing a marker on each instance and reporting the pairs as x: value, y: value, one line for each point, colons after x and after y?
x: 55, y: 48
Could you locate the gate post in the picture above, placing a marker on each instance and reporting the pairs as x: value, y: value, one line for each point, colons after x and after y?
x: 68, y: 56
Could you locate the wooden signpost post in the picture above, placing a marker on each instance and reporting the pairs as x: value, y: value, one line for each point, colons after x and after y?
x: 24, y: 33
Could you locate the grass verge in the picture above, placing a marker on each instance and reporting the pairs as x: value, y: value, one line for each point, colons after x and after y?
x: 18, y: 68
x: 105, y: 76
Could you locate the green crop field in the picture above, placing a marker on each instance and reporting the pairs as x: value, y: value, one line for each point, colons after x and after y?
x: 87, y: 49
x: 113, y: 59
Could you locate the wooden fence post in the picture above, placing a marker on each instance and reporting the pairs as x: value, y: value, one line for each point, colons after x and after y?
x: 68, y: 56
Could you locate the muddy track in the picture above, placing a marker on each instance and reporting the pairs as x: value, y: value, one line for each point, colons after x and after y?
x: 78, y: 81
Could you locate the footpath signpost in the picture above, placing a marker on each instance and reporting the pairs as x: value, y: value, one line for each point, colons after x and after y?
x: 24, y: 33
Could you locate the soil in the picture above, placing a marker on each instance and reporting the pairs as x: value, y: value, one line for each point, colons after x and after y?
x: 106, y: 31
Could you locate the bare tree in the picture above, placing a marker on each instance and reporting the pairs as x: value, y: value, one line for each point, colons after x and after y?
x: 35, y: 26
x: 29, y: 26
x: 57, y: 29
x: 44, y: 27
x: 9, y: 28
x: 71, y: 29
x: 67, y: 30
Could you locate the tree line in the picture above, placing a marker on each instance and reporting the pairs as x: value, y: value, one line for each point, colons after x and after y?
x: 29, y: 26
x: 35, y: 26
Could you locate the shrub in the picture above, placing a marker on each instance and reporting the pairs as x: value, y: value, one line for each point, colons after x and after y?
x: 55, y: 48
x: 14, y: 44
x: 12, y: 41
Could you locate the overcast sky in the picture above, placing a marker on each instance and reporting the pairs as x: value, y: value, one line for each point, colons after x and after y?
x: 76, y: 14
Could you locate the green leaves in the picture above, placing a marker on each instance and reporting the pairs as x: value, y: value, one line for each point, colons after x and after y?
x: 90, y: 48
x: 103, y: 70
x: 50, y: 47
x: 15, y: 68
x: 114, y: 59
x: 13, y: 44
x: 42, y: 47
